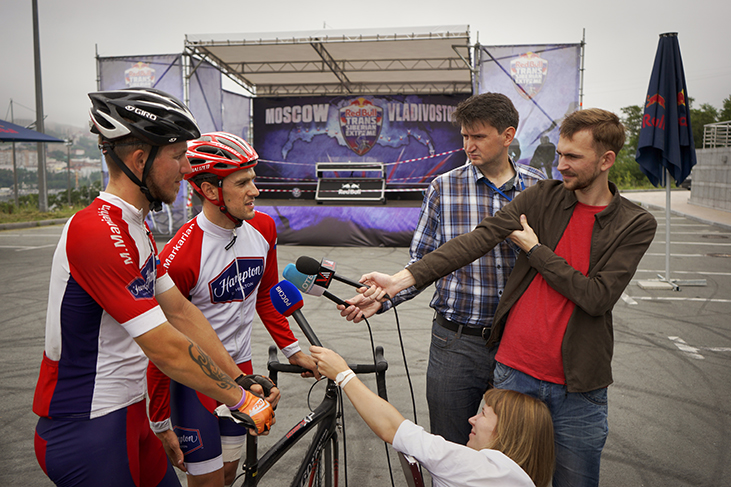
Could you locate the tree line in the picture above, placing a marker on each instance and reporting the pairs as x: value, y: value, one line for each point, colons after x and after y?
x: 626, y: 173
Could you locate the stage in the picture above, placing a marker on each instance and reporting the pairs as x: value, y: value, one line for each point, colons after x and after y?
x: 343, y: 224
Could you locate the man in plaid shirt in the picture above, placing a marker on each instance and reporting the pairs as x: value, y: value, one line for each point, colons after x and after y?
x: 460, y: 365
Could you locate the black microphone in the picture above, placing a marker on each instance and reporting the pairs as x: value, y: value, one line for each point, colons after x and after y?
x: 325, y: 272
x: 307, y: 285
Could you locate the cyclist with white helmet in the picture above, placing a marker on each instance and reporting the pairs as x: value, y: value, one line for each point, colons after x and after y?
x: 111, y: 306
x: 225, y: 262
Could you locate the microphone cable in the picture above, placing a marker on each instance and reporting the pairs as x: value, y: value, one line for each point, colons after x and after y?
x: 406, y: 368
x: 375, y: 365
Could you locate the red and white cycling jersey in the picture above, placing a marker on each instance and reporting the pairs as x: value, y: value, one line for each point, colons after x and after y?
x: 104, y: 278
x: 229, y: 285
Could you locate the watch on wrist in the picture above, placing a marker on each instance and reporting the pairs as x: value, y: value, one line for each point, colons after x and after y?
x: 344, y: 377
x: 528, y: 254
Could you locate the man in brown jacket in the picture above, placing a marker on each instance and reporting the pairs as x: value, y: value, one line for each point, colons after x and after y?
x: 554, y: 320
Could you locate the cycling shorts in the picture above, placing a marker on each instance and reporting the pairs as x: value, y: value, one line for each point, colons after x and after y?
x: 200, y: 432
x: 118, y: 450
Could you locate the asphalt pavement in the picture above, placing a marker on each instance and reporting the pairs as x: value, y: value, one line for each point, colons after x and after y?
x: 669, y: 408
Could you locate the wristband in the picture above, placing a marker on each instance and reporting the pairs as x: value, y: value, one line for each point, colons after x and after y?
x: 343, y: 377
x: 238, y: 404
x: 528, y: 254
x: 347, y: 379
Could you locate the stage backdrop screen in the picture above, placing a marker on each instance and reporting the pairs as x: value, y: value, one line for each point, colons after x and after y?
x: 413, y: 135
x: 543, y: 83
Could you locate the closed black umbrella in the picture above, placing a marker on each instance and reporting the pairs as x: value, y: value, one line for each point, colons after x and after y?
x: 665, y: 146
x: 666, y: 138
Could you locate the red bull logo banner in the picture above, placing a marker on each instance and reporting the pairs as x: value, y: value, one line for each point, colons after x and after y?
x: 140, y: 75
x: 648, y: 120
x: 529, y: 72
x: 542, y: 81
x: 360, y: 125
x: 164, y: 72
x: 413, y: 135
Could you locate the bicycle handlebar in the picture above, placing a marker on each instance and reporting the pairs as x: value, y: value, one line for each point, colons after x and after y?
x: 379, y: 368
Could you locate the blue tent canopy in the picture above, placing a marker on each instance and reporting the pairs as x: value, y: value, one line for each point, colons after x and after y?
x: 9, y: 132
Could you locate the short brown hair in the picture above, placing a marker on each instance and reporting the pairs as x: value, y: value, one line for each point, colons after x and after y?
x: 123, y: 148
x: 199, y: 179
x: 524, y: 433
x: 605, y: 127
x: 494, y: 109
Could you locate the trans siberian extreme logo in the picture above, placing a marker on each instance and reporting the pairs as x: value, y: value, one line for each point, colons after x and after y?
x: 360, y: 125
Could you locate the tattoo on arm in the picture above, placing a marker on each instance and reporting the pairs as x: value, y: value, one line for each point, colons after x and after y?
x: 209, y: 367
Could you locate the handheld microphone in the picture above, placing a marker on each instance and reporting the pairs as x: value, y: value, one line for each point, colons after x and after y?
x: 288, y: 301
x: 307, y: 285
x: 324, y: 272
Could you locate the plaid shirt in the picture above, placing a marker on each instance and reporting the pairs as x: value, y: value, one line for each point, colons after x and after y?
x: 454, y: 204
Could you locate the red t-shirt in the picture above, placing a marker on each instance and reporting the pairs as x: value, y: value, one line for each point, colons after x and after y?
x: 536, y: 323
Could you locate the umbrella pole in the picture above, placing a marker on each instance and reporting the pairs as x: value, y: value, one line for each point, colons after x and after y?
x: 666, y: 279
x: 675, y: 283
x: 667, y: 227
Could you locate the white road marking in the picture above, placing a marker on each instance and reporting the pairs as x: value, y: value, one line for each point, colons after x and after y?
x: 694, y: 352
x: 700, y: 273
x: 715, y: 244
x: 687, y: 349
x: 667, y: 298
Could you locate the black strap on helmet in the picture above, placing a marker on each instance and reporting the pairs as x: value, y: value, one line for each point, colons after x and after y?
x: 108, y: 148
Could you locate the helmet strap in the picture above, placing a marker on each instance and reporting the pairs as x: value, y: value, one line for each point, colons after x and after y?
x: 222, y: 205
x: 108, y: 148
x: 219, y: 202
x: 155, y: 204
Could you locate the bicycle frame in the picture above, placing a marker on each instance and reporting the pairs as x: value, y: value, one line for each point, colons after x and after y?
x: 325, y: 416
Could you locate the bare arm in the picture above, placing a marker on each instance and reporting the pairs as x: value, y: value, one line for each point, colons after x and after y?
x: 182, y: 360
x: 379, y: 415
x: 189, y: 320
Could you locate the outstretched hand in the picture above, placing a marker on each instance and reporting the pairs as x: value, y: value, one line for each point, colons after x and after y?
x: 359, y: 308
x: 380, y: 284
x: 306, y: 362
x: 329, y: 363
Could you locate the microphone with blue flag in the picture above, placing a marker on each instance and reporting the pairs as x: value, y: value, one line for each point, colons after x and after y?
x: 288, y: 301
x: 306, y: 284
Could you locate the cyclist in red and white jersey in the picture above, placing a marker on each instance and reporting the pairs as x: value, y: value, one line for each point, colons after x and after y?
x: 111, y: 306
x: 224, y: 261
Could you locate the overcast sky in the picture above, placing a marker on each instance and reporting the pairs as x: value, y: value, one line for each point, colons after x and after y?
x: 621, y: 38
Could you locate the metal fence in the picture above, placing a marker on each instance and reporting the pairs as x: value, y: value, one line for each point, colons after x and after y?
x: 717, y: 135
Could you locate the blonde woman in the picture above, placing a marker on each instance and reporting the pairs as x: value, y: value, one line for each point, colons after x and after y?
x: 511, y: 442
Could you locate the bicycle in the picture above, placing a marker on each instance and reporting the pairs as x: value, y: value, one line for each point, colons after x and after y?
x: 320, y: 465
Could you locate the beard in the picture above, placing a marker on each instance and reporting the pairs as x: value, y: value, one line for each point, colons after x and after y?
x: 580, y: 182
x: 166, y: 195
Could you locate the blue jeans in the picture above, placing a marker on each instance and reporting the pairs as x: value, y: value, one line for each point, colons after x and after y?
x: 579, y: 424
x: 459, y: 373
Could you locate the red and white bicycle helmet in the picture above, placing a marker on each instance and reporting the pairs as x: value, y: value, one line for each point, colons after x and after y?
x: 220, y: 154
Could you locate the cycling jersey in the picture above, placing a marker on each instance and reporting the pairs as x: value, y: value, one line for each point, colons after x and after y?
x: 102, y: 295
x: 227, y: 274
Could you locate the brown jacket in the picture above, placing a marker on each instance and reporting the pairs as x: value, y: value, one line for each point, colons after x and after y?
x: 622, y: 233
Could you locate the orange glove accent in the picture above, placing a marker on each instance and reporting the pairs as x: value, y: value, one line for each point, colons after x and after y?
x: 255, y: 412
